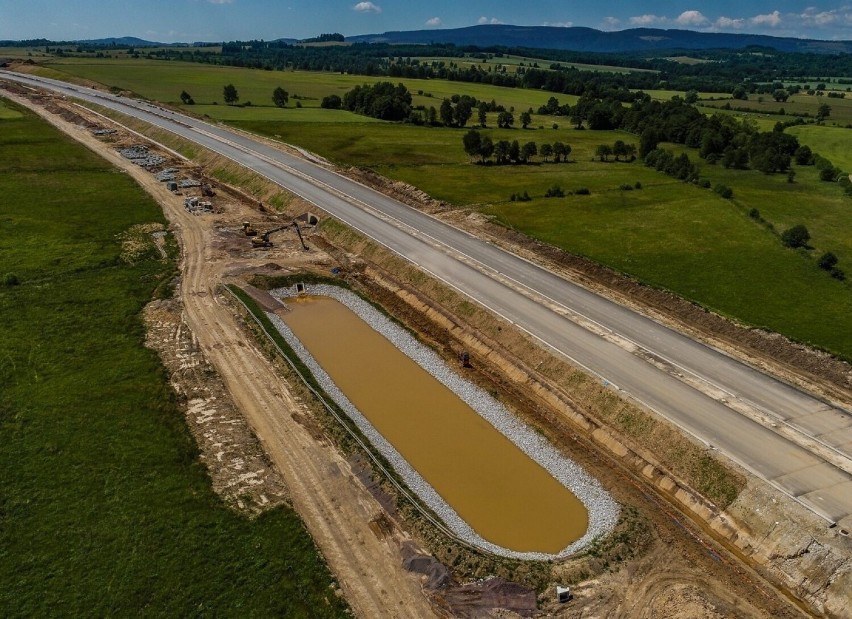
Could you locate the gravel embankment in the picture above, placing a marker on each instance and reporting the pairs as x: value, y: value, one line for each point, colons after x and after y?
x: 603, y: 510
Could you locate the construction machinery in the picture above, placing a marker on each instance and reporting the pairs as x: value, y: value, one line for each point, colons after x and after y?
x: 263, y: 241
x: 248, y: 230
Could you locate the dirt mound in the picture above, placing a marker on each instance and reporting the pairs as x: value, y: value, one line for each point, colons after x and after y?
x: 480, y: 598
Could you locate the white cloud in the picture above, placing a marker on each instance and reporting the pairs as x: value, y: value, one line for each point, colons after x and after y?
x: 220, y: 1
x: 770, y: 19
x: 610, y: 23
x: 435, y: 21
x: 691, y: 18
x: 485, y: 20
x: 367, y: 7
x: 729, y: 23
x: 646, y: 20
x: 559, y: 24
x: 821, y: 18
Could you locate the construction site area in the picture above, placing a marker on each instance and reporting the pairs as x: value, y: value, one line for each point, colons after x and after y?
x: 662, y: 547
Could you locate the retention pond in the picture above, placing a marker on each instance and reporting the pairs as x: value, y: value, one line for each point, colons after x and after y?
x: 508, y: 498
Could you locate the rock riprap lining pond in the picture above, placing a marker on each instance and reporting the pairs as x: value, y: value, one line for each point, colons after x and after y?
x: 493, y: 481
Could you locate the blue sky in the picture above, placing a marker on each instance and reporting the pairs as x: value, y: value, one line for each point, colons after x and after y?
x: 217, y: 20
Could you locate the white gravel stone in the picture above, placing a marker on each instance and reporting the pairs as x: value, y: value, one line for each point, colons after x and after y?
x: 603, y: 510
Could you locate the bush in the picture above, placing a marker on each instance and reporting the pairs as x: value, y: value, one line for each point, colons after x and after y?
x: 797, y: 236
x: 838, y: 274
x: 705, y: 183
x: 331, y: 102
x: 829, y: 175
x: 754, y: 214
x: 638, y: 185
x: 520, y: 197
x: 827, y: 261
x: 626, y: 187
x: 583, y: 191
x: 724, y: 191
x: 10, y: 279
x: 554, y: 191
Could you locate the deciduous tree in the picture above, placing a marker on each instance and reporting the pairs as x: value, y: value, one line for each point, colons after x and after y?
x: 797, y: 236
x: 280, y: 97
x: 230, y: 94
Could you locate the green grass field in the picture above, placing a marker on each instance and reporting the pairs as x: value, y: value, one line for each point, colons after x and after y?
x: 511, y: 63
x: 833, y: 143
x: 205, y: 83
x: 105, y: 509
x: 841, y: 109
x: 7, y: 113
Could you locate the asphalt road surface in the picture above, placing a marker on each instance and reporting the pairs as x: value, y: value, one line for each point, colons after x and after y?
x: 794, y: 440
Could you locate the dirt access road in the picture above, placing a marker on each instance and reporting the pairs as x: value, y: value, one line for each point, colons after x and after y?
x: 334, y: 505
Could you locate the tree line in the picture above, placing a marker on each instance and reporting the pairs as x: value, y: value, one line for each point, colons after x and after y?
x: 728, y: 70
x: 505, y: 152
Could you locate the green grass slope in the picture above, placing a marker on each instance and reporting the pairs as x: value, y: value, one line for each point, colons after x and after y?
x: 105, y: 509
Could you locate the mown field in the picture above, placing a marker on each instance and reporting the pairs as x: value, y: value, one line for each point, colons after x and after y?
x: 164, y: 81
x: 672, y: 235
x: 105, y: 509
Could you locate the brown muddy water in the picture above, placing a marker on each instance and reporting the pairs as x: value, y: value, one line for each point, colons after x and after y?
x: 504, y: 495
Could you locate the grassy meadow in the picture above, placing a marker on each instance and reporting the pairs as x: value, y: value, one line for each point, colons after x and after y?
x: 841, y: 109
x: 833, y: 143
x: 7, y: 113
x: 672, y: 235
x: 105, y: 509
x: 511, y: 64
x: 205, y: 84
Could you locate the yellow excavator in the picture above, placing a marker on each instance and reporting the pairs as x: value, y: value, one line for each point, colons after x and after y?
x: 263, y: 242
x: 248, y: 230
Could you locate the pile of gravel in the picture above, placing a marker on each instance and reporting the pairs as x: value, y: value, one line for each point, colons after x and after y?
x: 141, y: 156
x: 169, y: 174
x: 603, y: 510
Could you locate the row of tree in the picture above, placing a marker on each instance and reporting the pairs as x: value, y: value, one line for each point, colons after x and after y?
x: 231, y: 96
x: 483, y: 147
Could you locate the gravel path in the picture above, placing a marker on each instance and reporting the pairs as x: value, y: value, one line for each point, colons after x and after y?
x: 603, y: 510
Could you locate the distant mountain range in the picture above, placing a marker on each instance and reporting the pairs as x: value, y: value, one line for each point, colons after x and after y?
x: 122, y: 42
x: 549, y: 37
x: 591, y: 40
